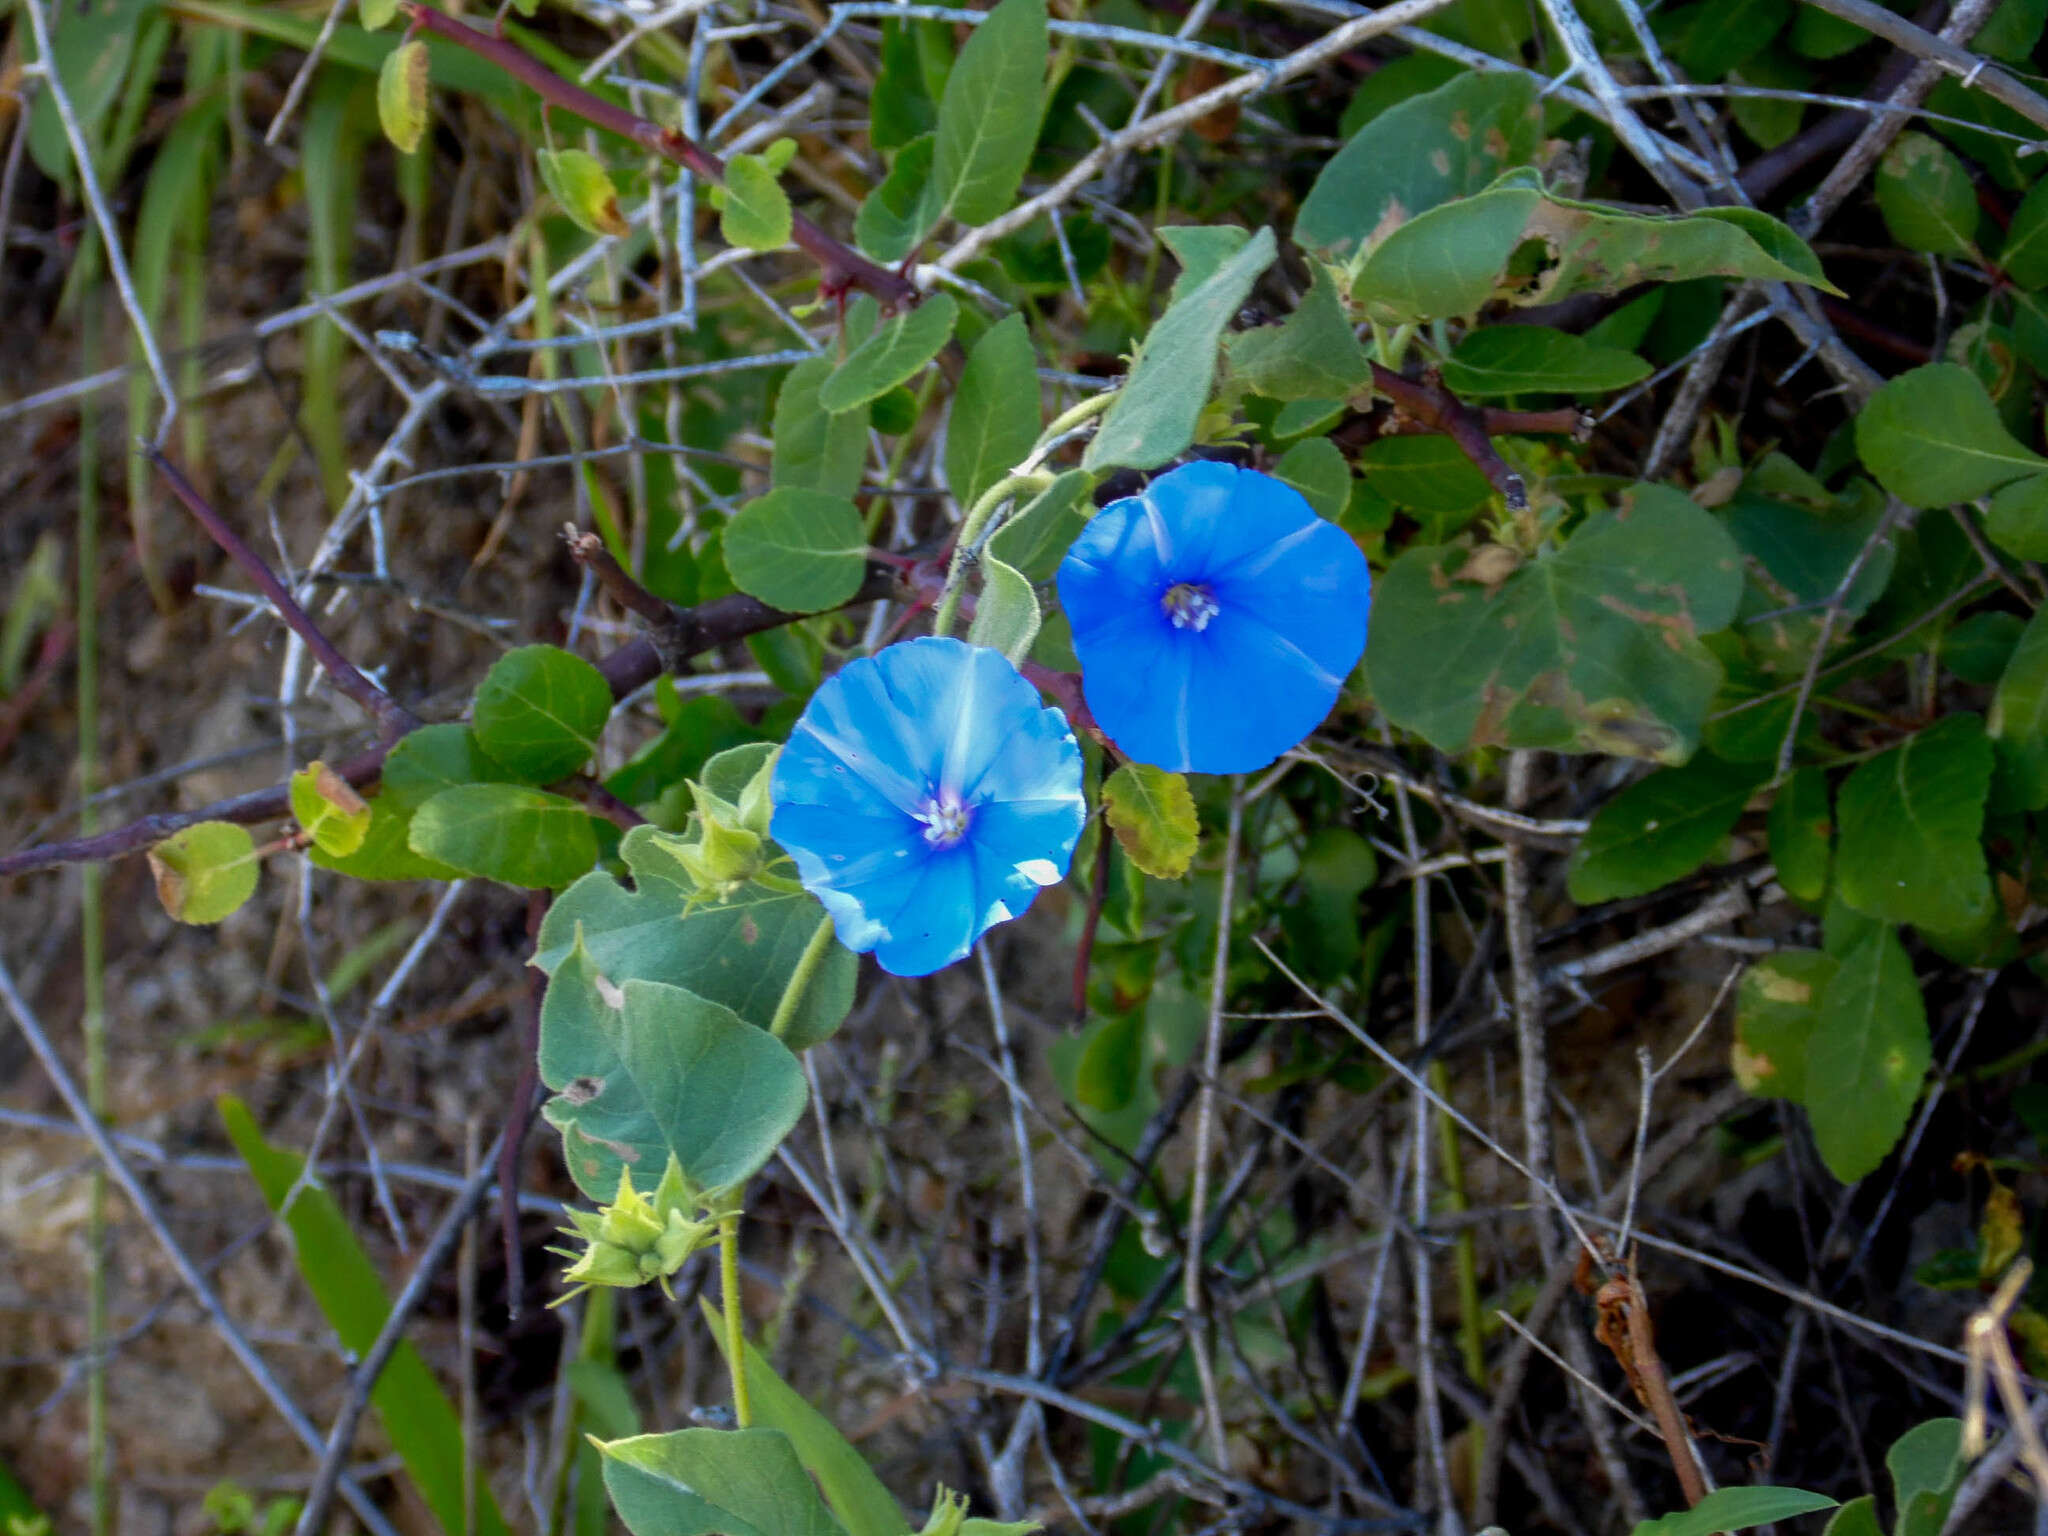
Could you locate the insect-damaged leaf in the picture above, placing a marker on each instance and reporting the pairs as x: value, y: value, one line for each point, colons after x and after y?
x: 1593, y: 647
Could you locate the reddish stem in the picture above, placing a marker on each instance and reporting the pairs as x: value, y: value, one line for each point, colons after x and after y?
x: 1431, y: 406
x: 840, y: 265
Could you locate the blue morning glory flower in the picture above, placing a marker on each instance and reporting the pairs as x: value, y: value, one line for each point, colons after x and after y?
x: 926, y: 794
x: 1215, y: 616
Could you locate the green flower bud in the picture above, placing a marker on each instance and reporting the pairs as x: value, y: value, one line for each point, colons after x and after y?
x: 636, y: 1239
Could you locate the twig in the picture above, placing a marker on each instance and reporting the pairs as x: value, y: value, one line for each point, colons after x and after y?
x: 393, y: 719
x: 1434, y: 407
x: 841, y: 266
x: 439, y: 1250
x: 1975, y: 72
x: 1894, y: 509
x: 1205, y: 1130
x: 188, y: 1272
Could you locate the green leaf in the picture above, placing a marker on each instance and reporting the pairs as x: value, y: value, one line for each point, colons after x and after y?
x: 1153, y: 815
x: 859, y: 1499
x: 582, y: 188
x: 1592, y: 647
x: 1736, y: 1509
x: 2013, y: 30
x: 1202, y: 250
x: 755, y: 211
x: 714, y: 1482
x: 1661, y: 829
x: 641, y: 1069
x: 1802, y: 833
x: 995, y: 420
x: 1311, y: 355
x: 540, y: 710
x: 900, y: 108
x: 90, y: 53
x: 205, y: 871
x: 989, y: 113
x: 386, y: 852
x: 2018, y: 722
x: 402, y: 95
x: 893, y: 354
x: 419, y: 1420
x: 1447, y: 262
x: 1426, y: 474
x: 1154, y: 415
x: 1712, y: 37
x: 1316, y: 468
x: 506, y: 832
x: 2016, y: 518
x: 816, y: 449
x: 798, y: 550
x: 329, y: 809
x: 2024, y: 255
x: 1447, y: 143
x: 1112, y: 1056
x: 1867, y: 1057
x: 1777, y: 1009
x: 1911, y: 822
x: 1534, y: 359
x: 739, y: 952
x: 1932, y: 437
x: 437, y: 757
x: 1807, y: 552
x: 1035, y: 539
x: 377, y: 13
x: 1858, y: 1517
x: 1006, y: 616
x: 1926, y: 197
x: 1927, y: 1465
x: 900, y: 212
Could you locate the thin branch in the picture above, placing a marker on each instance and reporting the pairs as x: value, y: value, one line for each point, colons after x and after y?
x: 842, y: 267
x: 1434, y: 407
x: 1975, y: 72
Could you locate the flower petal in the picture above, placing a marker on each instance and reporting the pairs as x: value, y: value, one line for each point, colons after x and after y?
x: 940, y: 921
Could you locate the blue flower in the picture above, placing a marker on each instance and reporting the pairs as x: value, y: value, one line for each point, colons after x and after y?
x: 926, y: 794
x: 1215, y: 616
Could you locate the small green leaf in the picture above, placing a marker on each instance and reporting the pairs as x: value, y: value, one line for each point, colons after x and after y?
x: 1202, y: 250
x: 402, y: 95
x: 1155, y: 412
x: 510, y: 833
x: 1112, y: 1055
x: 1152, y: 813
x: 2024, y: 255
x: 1867, y: 1057
x: 1926, y: 197
x: 798, y: 550
x: 816, y: 449
x: 1316, y: 468
x: 2018, y: 722
x: 1311, y: 355
x: 1858, y: 1517
x: 1593, y: 646
x: 1006, y: 616
x: 893, y: 354
x: 1661, y: 829
x: 377, y: 13
x: 386, y: 852
x: 329, y: 809
x: 755, y: 213
x: 1910, y: 827
x: 1446, y: 143
x: 1777, y: 1009
x: 582, y: 188
x: 900, y: 212
x: 1534, y: 359
x: 1035, y: 539
x: 989, y: 113
x: 1736, y: 1509
x: 995, y: 419
x: 1801, y: 830
x: 2016, y: 518
x: 540, y: 710
x: 204, y: 871
x: 696, y: 1482
x: 1932, y: 437
x: 1927, y: 1465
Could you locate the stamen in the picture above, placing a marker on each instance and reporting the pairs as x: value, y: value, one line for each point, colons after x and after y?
x: 1189, y: 606
x: 945, y: 820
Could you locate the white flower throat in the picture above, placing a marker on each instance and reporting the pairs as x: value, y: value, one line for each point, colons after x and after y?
x: 1189, y: 606
x: 945, y: 819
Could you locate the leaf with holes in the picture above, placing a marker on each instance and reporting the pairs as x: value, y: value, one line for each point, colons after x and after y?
x: 1592, y: 647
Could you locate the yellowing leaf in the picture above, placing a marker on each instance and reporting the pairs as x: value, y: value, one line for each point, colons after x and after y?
x: 328, y: 807
x: 1153, y: 816
x: 579, y: 182
x: 204, y: 872
x: 377, y: 13
x: 402, y: 95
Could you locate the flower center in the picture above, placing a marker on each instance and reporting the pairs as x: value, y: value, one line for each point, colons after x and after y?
x: 945, y: 820
x: 1189, y: 606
